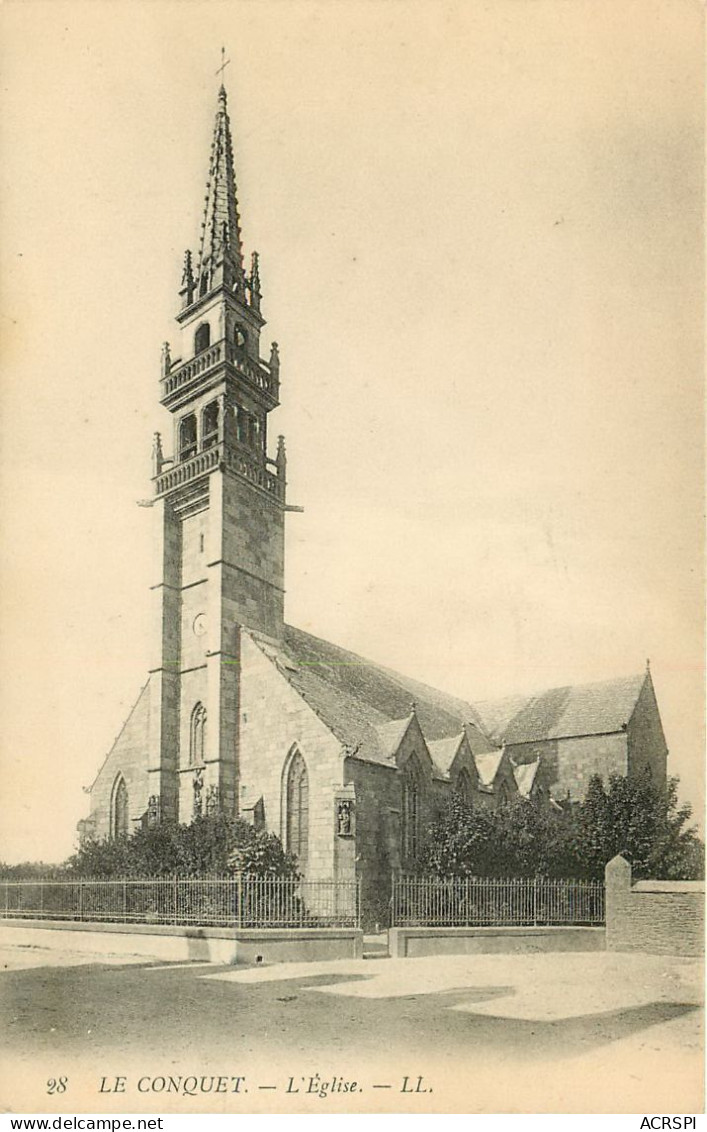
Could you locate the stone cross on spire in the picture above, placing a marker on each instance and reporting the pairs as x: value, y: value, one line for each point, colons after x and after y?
x: 224, y: 64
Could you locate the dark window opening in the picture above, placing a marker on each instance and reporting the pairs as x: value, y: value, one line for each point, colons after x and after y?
x: 119, y: 817
x: 202, y: 338
x: 465, y: 789
x: 241, y: 424
x: 187, y: 437
x: 209, y: 425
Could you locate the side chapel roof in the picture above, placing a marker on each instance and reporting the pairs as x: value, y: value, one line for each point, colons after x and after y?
x: 525, y: 775
x: 562, y: 713
x: 368, y: 707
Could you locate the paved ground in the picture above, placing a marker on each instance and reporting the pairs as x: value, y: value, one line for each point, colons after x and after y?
x: 572, y: 1032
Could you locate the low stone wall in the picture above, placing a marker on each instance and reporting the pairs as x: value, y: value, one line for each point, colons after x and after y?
x: 176, y: 944
x: 408, y: 943
x: 659, y: 916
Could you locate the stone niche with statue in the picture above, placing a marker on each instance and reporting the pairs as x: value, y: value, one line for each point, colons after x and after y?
x: 344, y: 819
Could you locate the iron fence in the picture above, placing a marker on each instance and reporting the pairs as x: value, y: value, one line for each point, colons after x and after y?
x: 239, y: 901
x: 489, y: 902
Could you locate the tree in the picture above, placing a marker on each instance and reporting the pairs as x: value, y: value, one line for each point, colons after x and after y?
x: 644, y: 823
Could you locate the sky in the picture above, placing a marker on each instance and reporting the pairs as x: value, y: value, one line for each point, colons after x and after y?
x: 480, y: 229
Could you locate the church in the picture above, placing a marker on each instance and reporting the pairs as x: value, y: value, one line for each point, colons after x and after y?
x: 242, y: 713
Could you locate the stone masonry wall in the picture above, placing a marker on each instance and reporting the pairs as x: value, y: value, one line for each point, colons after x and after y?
x: 378, y: 850
x: 378, y: 793
x: 273, y: 720
x: 646, y: 741
x: 127, y: 757
x: 253, y: 554
x: 572, y: 762
x: 661, y: 917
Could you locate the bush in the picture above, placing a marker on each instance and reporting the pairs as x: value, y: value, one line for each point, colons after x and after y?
x: 629, y: 816
x: 210, y: 845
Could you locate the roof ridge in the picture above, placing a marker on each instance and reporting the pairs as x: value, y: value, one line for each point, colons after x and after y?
x: 455, y: 706
x: 538, y: 692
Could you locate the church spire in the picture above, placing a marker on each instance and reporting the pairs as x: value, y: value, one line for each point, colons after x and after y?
x: 221, y: 249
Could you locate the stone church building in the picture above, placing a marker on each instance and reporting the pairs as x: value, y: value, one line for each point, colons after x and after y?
x: 345, y: 760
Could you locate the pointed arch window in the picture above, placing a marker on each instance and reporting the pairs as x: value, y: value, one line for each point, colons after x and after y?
x: 209, y: 425
x: 464, y: 786
x: 119, y: 820
x: 202, y: 338
x: 297, y: 810
x: 197, y: 735
x: 410, y: 809
x: 504, y: 794
x: 187, y: 437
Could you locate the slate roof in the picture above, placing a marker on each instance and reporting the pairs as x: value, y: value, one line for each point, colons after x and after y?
x: 368, y: 707
x: 362, y: 703
x: 524, y: 774
x: 488, y: 766
x: 444, y: 751
x: 479, y: 742
x: 391, y: 734
x: 561, y: 713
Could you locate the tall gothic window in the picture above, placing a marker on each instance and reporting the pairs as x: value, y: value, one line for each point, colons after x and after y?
x: 209, y: 425
x: 504, y: 794
x: 410, y: 809
x: 197, y: 735
x: 187, y: 437
x: 119, y: 809
x: 464, y: 786
x: 297, y: 817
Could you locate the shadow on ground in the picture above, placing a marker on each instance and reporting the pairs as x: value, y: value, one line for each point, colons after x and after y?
x: 172, y: 1010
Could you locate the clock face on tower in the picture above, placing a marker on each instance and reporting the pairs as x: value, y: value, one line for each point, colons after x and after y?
x: 199, y: 625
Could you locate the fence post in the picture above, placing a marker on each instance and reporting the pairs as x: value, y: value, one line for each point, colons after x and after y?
x: 535, y: 901
x: 80, y: 900
x: 239, y: 901
x: 175, y: 898
x: 7, y: 897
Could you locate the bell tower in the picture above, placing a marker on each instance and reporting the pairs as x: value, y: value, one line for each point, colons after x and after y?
x: 219, y: 504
